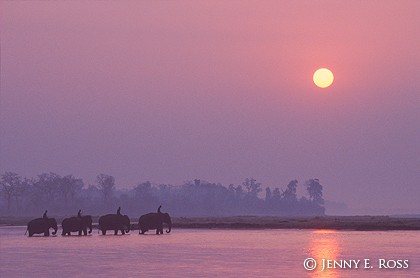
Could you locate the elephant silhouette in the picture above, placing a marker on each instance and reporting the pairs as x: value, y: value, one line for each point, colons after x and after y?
x: 42, y: 225
x: 115, y: 222
x: 154, y: 220
x: 78, y: 224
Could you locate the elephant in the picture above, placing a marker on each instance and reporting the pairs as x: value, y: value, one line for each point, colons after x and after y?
x: 153, y: 221
x: 42, y: 225
x: 77, y: 224
x: 114, y: 222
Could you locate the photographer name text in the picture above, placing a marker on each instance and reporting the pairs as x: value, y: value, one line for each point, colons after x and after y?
x: 324, y: 264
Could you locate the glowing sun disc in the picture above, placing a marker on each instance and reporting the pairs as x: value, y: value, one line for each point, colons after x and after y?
x: 323, y: 78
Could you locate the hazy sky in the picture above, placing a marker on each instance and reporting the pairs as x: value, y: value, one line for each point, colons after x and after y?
x: 169, y: 91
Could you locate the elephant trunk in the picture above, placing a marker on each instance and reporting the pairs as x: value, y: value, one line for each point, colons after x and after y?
x: 169, y: 226
x: 53, y: 224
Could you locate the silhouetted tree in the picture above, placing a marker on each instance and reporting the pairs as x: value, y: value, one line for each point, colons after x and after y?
x: 144, y: 194
x: 289, y: 195
x: 22, y: 186
x: 276, y: 194
x: 9, y: 185
x: 91, y: 192
x: 239, y: 192
x: 48, y: 185
x: 315, y: 191
x: 267, y: 194
x: 252, y: 186
x: 106, y: 185
x: 69, y: 186
x: 67, y: 194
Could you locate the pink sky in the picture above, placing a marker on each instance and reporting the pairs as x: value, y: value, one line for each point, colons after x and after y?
x: 170, y: 91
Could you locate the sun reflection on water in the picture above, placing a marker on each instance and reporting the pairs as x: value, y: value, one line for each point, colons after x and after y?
x: 324, y: 245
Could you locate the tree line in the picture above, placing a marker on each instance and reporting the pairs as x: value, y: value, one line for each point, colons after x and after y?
x: 65, y: 195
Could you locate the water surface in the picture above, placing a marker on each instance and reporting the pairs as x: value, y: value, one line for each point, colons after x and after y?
x: 206, y: 253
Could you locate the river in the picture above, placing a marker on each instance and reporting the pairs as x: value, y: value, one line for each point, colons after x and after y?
x: 212, y: 253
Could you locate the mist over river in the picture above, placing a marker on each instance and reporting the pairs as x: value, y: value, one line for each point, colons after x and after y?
x: 210, y: 253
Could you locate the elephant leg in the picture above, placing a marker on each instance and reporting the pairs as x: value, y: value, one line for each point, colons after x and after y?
x: 115, y: 232
x: 47, y: 233
x: 80, y: 232
x: 103, y: 232
x: 85, y: 231
x: 122, y: 231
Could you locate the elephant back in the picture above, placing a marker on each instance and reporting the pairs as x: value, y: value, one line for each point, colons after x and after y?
x: 71, y: 222
x: 88, y: 218
x: 67, y: 220
x: 36, y: 221
x: 110, y: 221
x: 149, y: 220
x: 105, y: 218
x: 147, y: 216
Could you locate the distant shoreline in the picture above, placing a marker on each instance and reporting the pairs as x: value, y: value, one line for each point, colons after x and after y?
x: 356, y: 223
x: 359, y: 223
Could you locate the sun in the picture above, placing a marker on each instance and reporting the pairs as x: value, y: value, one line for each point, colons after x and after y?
x: 323, y: 78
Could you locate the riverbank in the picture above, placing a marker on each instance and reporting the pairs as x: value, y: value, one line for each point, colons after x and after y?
x: 359, y: 223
